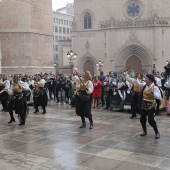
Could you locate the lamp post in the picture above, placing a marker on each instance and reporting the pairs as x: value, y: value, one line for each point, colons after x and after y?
x: 154, y: 69
x: 55, y: 67
x: 100, y: 65
x: 71, y: 56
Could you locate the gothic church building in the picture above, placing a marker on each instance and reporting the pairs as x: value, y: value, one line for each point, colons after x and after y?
x: 121, y: 33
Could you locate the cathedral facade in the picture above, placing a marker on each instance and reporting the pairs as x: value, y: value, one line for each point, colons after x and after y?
x: 122, y: 34
x: 26, y: 36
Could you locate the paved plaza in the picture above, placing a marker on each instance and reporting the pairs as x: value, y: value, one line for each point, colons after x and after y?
x: 55, y: 142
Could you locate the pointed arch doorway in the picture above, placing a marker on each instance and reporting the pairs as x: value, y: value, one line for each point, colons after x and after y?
x: 135, y: 64
x: 88, y: 65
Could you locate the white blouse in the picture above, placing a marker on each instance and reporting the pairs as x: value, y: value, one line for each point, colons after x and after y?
x: 88, y: 83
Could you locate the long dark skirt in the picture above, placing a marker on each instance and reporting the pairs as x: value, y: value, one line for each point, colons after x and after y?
x: 136, y: 104
x: 128, y: 99
x: 40, y: 97
x: 83, y: 108
x: 17, y: 102
x: 27, y: 95
x: 4, y: 96
x: 116, y: 102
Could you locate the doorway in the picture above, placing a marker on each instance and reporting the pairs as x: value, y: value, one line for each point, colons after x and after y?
x: 135, y: 64
x: 88, y: 65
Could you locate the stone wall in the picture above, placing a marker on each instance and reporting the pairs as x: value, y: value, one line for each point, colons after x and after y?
x: 26, y: 36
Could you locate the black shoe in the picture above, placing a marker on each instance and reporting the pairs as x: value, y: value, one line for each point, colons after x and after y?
x: 91, y: 126
x: 144, y: 134
x: 83, y: 125
x: 132, y: 117
x: 12, y: 120
x: 36, y: 111
x: 157, y: 136
x: 44, y: 112
x: 106, y: 108
x: 2, y: 110
x: 111, y: 108
x: 22, y: 123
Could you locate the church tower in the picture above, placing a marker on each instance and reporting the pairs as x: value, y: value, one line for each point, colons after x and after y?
x: 26, y: 36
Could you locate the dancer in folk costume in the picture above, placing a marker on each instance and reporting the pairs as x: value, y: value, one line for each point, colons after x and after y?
x: 84, y: 88
x: 167, y: 95
x: 150, y: 92
x: 158, y: 82
x: 136, y: 94
x: 17, y: 101
x: 40, y: 94
x: 26, y: 89
x: 128, y: 88
x: 4, y: 88
x: 118, y: 97
x: 31, y: 86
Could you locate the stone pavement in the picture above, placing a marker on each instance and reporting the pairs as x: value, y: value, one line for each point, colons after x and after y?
x: 55, y: 142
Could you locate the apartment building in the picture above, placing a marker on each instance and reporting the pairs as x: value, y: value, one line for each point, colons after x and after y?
x: 62, y: 24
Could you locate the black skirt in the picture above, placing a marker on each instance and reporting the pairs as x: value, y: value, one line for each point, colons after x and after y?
x: 16, y: 102
x: 27, y: 95
x: 40, y: 97
x: 4, y: 96
x: 83, y: 108
x: 116, y: 101
x: 128, y: 99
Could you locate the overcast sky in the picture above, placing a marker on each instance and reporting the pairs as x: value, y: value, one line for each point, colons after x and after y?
x: 56, y: 4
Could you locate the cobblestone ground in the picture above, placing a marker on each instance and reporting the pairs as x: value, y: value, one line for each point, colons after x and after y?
x: 54, y: 141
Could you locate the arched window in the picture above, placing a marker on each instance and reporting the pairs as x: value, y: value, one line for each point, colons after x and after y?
x: 87, y: 21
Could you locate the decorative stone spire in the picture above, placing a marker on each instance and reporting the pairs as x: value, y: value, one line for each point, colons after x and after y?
x: 87, y: 45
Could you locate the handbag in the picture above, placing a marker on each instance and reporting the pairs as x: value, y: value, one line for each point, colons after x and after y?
x: 83, y: 95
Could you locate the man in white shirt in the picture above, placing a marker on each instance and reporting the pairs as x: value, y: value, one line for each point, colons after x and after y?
x: 148, y: 106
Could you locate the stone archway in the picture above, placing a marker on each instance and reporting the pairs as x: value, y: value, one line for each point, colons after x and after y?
x: 88, y: 65
x: 87, y: 62
x: 135, y: 64
x: 133, y: 50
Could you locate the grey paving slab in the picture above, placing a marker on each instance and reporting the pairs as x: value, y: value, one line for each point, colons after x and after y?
x: 54, y: 141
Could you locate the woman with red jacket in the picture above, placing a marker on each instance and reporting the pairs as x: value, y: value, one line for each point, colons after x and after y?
x: 97, y: 93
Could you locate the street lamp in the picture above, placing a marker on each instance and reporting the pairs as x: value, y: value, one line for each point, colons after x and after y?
x: 154, y: 69
x: 71, y: 56
x: 55, y: 67
x: 100, y: 65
